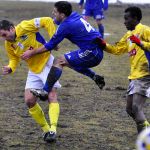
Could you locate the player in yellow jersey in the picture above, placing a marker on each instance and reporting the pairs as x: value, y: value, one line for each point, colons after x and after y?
x: 136, y: 42
x: 18, y: 39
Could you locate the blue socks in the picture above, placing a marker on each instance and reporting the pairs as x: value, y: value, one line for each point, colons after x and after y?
x: 85, y: 71
x: 101, y: 30
x: 52, y: 77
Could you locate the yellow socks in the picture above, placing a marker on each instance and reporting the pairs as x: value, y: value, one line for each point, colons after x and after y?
x: 142, y: 126
x: 146, y: 124
x: 54, y: 111
x: 38, y: 115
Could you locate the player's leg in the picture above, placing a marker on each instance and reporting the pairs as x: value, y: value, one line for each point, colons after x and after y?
x: 98, y: 16
x: 137, y: 90
x: 82, y: 61
x: 137, y: 109
x: 34, y: 82
x: 53, y: 102
x: 54, y: 108
x: 100, y: 27
x: 54, y: 111
x: 129, y: 106
x: 55, y: 73
x: 36, y: 111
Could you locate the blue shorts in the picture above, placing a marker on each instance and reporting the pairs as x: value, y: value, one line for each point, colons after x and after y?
x: 84, y: 59
x: 96, y: 13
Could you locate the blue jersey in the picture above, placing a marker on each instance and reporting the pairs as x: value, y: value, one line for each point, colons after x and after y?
x: 77, y: 30
x: 95, y: 4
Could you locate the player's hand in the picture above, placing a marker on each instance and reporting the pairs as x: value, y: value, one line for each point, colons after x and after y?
x: 6, y: 70
x: 27, y: 54
x: 100, y: 42
x: 135, y: 40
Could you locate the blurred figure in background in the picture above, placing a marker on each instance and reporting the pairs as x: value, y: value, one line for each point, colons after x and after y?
x: 95, y: 9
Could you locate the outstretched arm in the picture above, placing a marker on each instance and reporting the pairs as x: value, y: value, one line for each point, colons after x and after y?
x: 29, y: 53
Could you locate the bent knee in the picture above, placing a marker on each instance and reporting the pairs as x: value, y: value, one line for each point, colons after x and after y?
x: 61, y: 60
x: 52, y: 97
x: 30, y: 100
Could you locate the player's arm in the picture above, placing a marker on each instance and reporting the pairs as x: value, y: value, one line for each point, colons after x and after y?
x: 13, y: 61
x: 35, y: 24
x: 49, y: 46
x: 117, y: 48
x: 47, y: 23
x: 144, y: 42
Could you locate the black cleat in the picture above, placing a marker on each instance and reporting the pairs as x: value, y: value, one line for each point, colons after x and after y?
x: 49, y: 136
x: 40, y: 93
x: 99, y: 80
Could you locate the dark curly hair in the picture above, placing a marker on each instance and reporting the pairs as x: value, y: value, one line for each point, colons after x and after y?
x: 134, y: 12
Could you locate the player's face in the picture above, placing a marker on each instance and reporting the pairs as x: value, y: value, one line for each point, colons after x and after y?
x: 8, y: 35
x: 129, y: 21
x: 58, y: 16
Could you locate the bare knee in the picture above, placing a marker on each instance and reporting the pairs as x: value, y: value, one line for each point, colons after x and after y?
x: 60, y: 62
x: 52, y: 97
x: 30, y: 100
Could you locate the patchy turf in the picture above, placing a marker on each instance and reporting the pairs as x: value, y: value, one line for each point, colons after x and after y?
x: 90, y: 118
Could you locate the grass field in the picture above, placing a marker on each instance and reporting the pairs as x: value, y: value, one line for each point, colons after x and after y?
x: 90, y: 118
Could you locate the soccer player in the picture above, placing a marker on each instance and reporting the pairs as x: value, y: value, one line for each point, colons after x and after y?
x: 78, y: 31
x: 17, y: 40
x: 95, y: 8
x: 136, y: 42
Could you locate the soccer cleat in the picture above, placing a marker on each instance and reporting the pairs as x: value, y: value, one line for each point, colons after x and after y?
x: 49, y: 136
x: 99, y: 80
x: 40, y: 93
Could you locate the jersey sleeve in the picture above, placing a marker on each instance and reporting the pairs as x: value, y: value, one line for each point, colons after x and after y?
x: 35, y: 24
x: 146, y: 39
x: 13, y: 59
x: 118, y: 48
x: 59, y: 35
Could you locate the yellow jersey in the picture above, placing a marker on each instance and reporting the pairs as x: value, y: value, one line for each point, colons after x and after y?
x: 28, y: 37
x: 138, y: 61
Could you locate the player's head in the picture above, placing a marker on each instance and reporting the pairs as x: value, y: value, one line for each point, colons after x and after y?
x: 62, y: 9
x: 132, y: 17
x: 7, y: 30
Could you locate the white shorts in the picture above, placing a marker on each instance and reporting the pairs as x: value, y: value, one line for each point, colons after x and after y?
x: 37, y: 81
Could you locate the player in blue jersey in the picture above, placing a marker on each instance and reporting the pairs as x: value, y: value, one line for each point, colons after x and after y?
x: 95, y: 8
x: 78, y: 31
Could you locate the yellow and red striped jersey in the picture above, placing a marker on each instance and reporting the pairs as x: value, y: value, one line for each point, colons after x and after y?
x: 138, y: 60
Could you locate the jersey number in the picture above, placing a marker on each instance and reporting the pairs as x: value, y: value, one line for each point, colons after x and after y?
x: 87, y: 25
